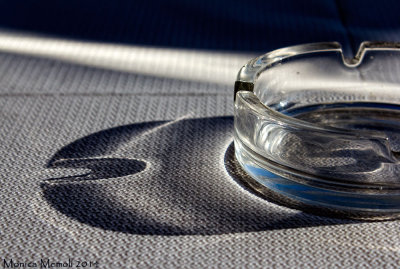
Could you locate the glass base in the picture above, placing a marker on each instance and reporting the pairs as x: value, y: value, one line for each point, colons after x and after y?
x: 315, y: 194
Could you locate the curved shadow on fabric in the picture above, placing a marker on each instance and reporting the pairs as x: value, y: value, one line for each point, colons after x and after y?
x: 163, y: 178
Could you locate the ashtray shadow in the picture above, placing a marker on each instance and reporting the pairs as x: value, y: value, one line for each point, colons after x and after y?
x: 164, y: 178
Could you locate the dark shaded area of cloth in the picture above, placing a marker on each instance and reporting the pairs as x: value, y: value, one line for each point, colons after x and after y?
x: 216, y: 25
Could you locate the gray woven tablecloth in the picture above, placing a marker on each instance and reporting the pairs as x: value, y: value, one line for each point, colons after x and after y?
x: 118, y: 156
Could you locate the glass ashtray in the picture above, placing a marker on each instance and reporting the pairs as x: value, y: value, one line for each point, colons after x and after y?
x: 323, y: 130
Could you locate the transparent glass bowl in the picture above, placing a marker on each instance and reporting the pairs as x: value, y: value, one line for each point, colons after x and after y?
x: 322, y: 130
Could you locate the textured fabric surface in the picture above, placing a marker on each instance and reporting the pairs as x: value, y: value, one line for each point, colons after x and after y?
x: 140, y: 180
x: 129, y: 169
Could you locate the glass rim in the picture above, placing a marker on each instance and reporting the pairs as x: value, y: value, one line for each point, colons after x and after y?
x: 249, y: 73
